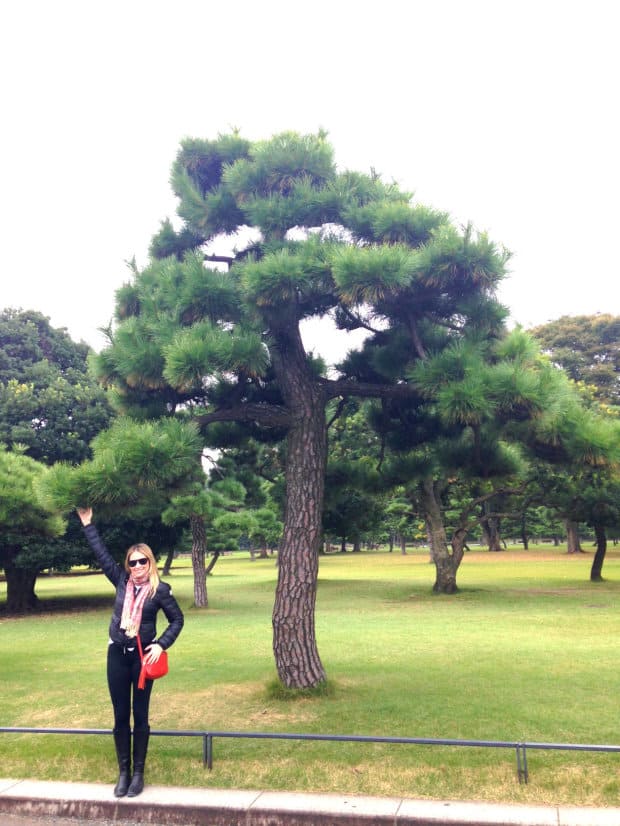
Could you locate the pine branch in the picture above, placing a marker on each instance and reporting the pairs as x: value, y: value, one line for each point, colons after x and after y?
x: 358, y: 321
x: 222, y: 259
x: 261, y: 414
x: 415, y: 338
x: 337, y: 413
x: 465, y: 516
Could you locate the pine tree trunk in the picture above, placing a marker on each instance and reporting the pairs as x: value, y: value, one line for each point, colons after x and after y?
x: 20, y: 595
x: 211, y: 565
x: 429, y: 539
x: 199, y: 553
x: 168, y: 562
x: 596, y: 572
x: 490, y: 529
x: 573, y: 545
x: 294, y: 635
x: 445, y: 558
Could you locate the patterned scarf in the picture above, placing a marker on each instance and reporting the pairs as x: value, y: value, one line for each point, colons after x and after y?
x: 132, y: 609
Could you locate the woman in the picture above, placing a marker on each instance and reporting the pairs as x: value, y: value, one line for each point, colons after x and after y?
x: 139, y: 596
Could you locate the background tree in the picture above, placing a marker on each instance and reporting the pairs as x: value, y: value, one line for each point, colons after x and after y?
x: 213, y: 510
x: 354, y: 498
x: 588, y: 349
x: 579, y: 441
x: 535, y: 522
x: 402, y: 521
x: 265, y: 531
x: 48, y: 401
x: 24, y: 525
x: 583, y: 484
x: 599, y: 507
x: 351, y: 514
x: 488, y: 408
x: 51, y: 408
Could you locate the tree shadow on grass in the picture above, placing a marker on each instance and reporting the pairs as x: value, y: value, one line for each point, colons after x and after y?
x: 61, y: 605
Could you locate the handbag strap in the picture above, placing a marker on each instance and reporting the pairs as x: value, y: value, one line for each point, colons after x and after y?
x: 142, y: 677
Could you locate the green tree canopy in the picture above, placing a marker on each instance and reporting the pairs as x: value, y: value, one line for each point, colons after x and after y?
x: 50, y: 409
x: 48, y: 401
x: 24, y: 525
x: 487, y: 409
x: 588, y: 348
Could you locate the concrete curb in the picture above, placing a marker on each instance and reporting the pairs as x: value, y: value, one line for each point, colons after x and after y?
x: 223, y: 807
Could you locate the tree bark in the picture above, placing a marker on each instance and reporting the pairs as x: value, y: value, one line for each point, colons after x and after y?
x: 20, y: 595
x: 573, y: 545
x: 168, y: 562
x: 490, y: 528
x: 596, y: 572
x: 211, y: 565
x: 199, y: 553
x: 446, y: 558
x: 524, y: 534
x: 429, y: 539
x: 294, y: 635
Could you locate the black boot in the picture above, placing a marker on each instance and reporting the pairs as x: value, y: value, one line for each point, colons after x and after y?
x: 122, y: 741
x: 140, y: 746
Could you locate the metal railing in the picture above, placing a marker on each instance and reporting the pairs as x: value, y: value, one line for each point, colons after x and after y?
x: 520, y: 747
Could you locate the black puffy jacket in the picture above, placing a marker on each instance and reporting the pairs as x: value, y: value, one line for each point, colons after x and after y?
x: 162, y: 599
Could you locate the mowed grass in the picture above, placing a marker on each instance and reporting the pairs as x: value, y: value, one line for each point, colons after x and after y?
x: 527, y: 650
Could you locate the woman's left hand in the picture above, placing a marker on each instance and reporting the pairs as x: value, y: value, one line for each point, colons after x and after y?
x: 152, y: 653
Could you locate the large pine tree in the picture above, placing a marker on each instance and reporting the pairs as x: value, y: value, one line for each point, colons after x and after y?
x: 193, y: 339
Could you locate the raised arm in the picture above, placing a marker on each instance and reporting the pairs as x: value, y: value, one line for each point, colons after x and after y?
x: 86, y: 515
x: 110, y: 567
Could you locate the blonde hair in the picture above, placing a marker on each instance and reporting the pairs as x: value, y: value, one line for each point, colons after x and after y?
x: 143, y: 548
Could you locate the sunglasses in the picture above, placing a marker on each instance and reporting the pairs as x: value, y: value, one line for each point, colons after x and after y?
x: 141, y: 560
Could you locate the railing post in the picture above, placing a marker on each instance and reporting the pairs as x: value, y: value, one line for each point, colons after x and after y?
x: 522, y: 763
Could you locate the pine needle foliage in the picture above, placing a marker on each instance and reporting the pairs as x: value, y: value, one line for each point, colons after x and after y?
x: 401, y: 223
x: 131, y: 459
x: 22, y: 514
x: 370, y: 274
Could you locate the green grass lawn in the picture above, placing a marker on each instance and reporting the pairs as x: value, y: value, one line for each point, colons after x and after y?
x: 527, y: 650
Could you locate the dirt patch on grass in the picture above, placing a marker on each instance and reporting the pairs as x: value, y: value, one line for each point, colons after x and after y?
x: 231, y: 706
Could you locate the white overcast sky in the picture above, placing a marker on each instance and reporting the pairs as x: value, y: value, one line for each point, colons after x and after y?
x: 501, y: 112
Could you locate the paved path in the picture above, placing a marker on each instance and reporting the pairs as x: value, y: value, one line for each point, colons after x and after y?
x: 34, y: 803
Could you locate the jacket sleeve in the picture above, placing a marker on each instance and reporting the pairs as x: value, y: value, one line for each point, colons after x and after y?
x: 109, y: 566
x: 173, y: 613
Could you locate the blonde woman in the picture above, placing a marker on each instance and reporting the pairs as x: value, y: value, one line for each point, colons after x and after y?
x: 140, y: 595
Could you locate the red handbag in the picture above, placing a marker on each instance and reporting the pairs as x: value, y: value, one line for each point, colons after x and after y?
x: 151, y: 671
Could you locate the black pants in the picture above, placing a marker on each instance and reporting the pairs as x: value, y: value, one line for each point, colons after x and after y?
x: 123, y: 673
